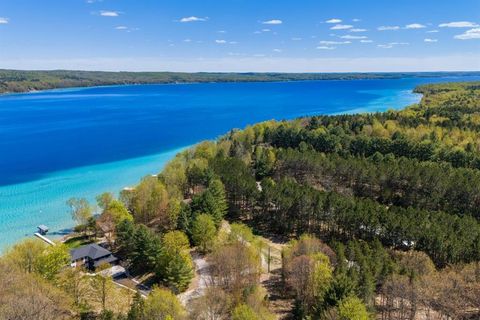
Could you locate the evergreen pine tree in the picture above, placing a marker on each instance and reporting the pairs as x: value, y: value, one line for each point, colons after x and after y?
x: 178, y: 272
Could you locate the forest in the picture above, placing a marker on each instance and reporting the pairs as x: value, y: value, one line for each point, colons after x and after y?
x: 17, y: 81
x: 347, y: 217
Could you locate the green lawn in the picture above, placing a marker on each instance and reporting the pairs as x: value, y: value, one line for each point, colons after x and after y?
x: 78, y: 241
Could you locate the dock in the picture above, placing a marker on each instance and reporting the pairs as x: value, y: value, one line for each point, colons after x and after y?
x: 38, y: 235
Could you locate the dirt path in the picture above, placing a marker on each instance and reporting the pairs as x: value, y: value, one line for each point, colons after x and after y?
x: 271, y: 277
x: 199, y: 283
x: 272, y: 281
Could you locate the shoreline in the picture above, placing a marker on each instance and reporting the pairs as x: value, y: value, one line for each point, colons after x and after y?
x: 340, y: 77
x: 50, y: 208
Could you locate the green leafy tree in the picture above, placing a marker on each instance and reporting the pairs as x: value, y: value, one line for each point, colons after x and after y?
x: 175, y: 242
x: 80, y: 211
x: 53, y: 260
x: 113, y: 213
x: 33, y: 256
x: 26, y: 254
x: 150, y: 201
x: 352, y: 308
x: 163, y: 305
x: 175, y: 178
x: 104, y: 199
x: 117, y: 210
x: 244, y: 312
x: 204, y: 232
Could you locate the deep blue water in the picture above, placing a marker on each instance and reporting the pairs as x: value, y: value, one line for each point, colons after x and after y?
x: 80, y: 142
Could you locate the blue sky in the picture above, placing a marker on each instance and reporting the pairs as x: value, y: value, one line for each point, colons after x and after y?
x: 241, y: 35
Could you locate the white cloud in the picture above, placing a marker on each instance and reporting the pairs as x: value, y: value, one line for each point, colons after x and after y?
x: 350, y: 37
x: 357, y: 30
x: 263, y: 30
x: 274, y: 21
x: 233, y: 42
x: 325, y: 42
x: 109, y: 13
x: 356, y: 20
x: 430, y: 40
x: 192, y: 19
x: 366, y: 41
x: 387, y: 28
x: 415, y: 26
x: 4, y: 20
x: 341, y: 27
x: 392, y: 44
x: 187, y: 40
x: 432, y: 31
x: 277, y: 50
x: 458, y: 24
x: 220, y: 41
x: 296, y: 39
x: 222, y: 31
x: 333, y: 21
x: 325, y: 48
x: 126, y: 29
x: 469, y: 34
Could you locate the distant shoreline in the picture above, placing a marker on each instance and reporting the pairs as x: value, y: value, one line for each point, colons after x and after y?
x: 23, y: 81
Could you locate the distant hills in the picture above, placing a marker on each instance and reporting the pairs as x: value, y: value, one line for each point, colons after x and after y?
x: 17, y: 81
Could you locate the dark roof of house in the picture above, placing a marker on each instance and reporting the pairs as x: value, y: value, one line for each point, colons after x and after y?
x: 42, y: 227
x: 109, y: 259
x: 92, y: 251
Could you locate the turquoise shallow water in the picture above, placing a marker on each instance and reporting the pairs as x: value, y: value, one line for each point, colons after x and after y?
x: 47, y: 196
x: 81, y: 142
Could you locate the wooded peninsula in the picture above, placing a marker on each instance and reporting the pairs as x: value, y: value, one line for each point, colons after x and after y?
x: 17, y: 81
x: 351, y: 217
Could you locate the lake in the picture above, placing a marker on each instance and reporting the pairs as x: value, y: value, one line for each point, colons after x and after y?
x: 81, y: 142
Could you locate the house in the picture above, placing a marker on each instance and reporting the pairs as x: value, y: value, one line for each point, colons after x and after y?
x: 91, y: 256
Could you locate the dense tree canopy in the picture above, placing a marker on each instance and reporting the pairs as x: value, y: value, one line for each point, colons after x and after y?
x: 381, y: 212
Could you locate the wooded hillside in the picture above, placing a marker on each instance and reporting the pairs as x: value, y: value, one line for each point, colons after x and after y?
x: 25, y: 81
